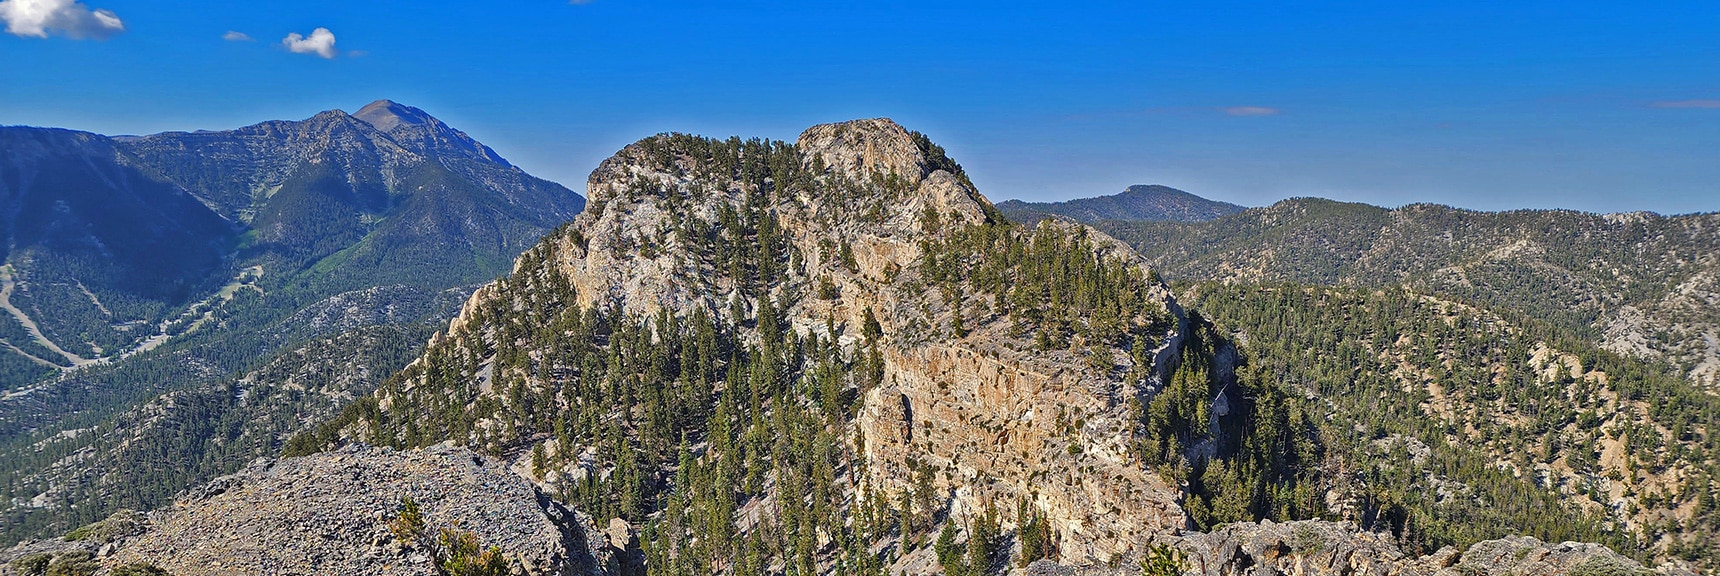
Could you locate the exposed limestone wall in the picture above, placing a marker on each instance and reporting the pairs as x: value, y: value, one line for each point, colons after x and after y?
x: 1000, y: 432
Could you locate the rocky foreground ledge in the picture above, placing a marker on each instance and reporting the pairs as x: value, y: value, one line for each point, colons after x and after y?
x: 1339, y: 548
x: 331, y: 513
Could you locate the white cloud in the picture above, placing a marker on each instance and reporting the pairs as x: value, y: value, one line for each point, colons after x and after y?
x: 1251, y: 111
x: 69, y: 18
x: 320, y: 42
x: 1688, y: 104
x: 237, y: 36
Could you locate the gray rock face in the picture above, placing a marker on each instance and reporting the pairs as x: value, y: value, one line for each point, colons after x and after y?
x: 386, y: 115
x: 418, y: 130
x: 1294, y: 548
x: 1340, y: 548
x: 330, y: 513
x: 374, y: 306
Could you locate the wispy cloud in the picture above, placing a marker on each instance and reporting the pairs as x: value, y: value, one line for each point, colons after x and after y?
x: 1186, y: 111
x: 237, y: 36
x: 1687, y: 104
x: 1251, y: 111
x: 579, y: 2
x: 69, y: 18
x: 320, y: 42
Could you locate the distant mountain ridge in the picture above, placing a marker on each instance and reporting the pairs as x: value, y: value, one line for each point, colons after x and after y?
x: 107, y: 237
x: 175, y: 269
x: 383, y: 181
x: 1138, y: 203
x: 1636, y: 283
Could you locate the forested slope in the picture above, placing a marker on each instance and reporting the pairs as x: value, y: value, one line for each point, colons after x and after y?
x: 1639, y: 284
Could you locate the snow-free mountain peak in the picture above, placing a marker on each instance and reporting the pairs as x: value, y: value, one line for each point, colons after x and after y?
x: 1138, y: 203
x: 386, y: 114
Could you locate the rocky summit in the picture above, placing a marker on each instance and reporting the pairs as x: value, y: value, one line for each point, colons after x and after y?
x: 995, y: 415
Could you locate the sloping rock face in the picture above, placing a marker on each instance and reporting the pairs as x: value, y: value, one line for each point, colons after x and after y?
x: 1315, y: 547
x: 633, y: 197
x: 330, y: 513
x: 1294, y: 548
x: 1004, y: 423
x: 1005, y: 428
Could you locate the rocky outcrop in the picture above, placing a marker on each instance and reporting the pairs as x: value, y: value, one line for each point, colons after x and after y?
x: 1293, y: 548
x: 633, y: 201
x: 330, y: 514
x: 1000, y: 421
x: 1340, y: 548
x: 1005, y: 429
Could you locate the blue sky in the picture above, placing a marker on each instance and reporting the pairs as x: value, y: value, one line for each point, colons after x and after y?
x: 1602, y: 106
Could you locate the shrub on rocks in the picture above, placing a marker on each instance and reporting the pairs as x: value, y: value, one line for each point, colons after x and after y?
x: 32, y: 565
x: 409, y: 525
x: 139, y: 570
x: 462, y: 555
x: 78, y: 563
